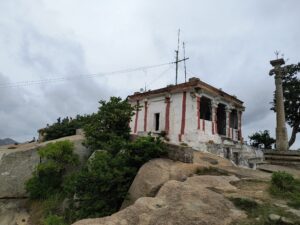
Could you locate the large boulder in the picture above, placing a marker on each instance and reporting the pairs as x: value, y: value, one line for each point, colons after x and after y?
x: 192, y: 202
x: 18, y: 162
x: 154, y: 174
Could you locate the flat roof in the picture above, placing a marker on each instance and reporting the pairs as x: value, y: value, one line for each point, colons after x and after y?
x: 195, y: 83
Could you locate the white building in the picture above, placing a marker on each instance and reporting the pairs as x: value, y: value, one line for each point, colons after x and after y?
x: 194, y: 113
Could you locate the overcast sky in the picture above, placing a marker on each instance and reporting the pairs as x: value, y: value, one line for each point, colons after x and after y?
x: 229, y: 43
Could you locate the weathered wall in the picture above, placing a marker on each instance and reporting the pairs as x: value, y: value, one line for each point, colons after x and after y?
x: 17, y: 165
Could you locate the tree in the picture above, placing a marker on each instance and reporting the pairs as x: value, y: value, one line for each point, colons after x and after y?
x: 110, y: 124
x: 261, y: 139
x: 291, y: 94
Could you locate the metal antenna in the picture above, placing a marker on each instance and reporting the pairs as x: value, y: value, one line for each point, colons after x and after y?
x: 177, y: 53
x: 277, y: 53
x: 183, y: 46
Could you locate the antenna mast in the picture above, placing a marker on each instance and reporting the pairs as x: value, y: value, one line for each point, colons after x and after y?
x: 183, y: 46
x: 177, y: 55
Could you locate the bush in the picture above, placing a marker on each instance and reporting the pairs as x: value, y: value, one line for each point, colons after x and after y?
x: 54, y: 220
x: 101, y: 187
x: 47, y: 177
x: 283, y: 181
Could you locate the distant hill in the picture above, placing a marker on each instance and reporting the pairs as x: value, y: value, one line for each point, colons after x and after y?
x: 7, y: 141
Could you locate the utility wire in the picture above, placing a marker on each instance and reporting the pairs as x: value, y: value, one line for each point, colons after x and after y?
x: 80, y: 76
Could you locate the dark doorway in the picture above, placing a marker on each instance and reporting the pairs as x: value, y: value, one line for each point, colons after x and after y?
x: 227, y: 153
x: 205, y: 108
x: 234, y: 119
x: 236, y: 158
x: 221, y: 119
x: 156, y: 115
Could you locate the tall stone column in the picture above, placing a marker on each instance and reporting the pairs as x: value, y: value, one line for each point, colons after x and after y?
x: 214, y: 107
x: 281, y: 132
x: 228, y: 111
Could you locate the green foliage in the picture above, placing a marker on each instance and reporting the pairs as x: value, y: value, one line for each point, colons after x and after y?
x: 244, y: 204
x: 262, y: 139
x: 284, y: 185
x: 211, y: 171
x: 283, y: 181
x: 47, y: 177
x: 54, y: 220
x: 66, y: 126
x: 143, y: 149
x: 101, y: 187
x: 111, y: 121
x: 291, y: 90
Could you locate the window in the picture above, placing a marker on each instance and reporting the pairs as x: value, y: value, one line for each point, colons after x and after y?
x: 156, y: 120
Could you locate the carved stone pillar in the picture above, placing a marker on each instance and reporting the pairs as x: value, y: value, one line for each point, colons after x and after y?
x: 228, y: 111
x: 214, y: 107
x: 281, y: 132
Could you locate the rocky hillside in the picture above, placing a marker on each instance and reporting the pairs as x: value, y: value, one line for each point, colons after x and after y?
x: 7, y: 141
x: 210, y: 191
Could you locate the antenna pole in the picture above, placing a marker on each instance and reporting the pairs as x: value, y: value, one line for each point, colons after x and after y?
x: 183, y: 45
x: 177, y: 55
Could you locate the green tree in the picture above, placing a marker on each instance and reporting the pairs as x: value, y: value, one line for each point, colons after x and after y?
x: 110, y: 124
x: 291, y: 94
x: 262, y: 139
x: 47, y: 177
x: 101, y: 187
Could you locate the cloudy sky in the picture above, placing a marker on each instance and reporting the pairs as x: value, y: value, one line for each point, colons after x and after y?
x: 229, y: 43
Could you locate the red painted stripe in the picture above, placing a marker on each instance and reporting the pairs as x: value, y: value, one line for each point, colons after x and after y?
x: 145, y: 116
x: 136, y: 117
x: 167, y: 123
x: 183, y: 115
x: 216, y: 122
x: 198, y: 112
x: 212, y: 121
x: 240, y: 130
x: 228, y: 124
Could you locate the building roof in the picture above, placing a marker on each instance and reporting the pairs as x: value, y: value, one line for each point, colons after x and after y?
x: 193, y: 84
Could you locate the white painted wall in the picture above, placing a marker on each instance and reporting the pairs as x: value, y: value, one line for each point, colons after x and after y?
x: 192, y: 135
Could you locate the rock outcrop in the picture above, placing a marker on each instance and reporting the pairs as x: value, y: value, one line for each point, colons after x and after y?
x: 18, y: 163
x: 191, y: 202
x: 154, y: 174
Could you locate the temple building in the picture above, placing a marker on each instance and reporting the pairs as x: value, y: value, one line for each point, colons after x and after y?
x: 194, y: 113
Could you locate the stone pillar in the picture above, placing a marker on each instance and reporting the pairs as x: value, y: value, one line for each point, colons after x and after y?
x: 214, y: 107
x: 240, y: 137
x: 228, y: 111
x: 281, y: 132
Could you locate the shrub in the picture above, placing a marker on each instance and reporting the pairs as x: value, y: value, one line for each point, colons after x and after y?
x: 283, y: 181
x: 244, y: 203
x: 47, y: 177
x: 54, y: 220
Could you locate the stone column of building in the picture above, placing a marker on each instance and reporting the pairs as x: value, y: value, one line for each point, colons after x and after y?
x: 228, y: 111
x: 167, y: 121
x: 145, y: 115
x: 214, y: 107
x: 281, y: 132
x: 198, y: 112
x: 136, y: 116
x: 240, y: 137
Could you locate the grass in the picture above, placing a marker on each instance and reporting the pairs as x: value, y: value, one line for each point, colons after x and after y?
x: 285, y: 186
x: 211, y: 171
x: 258, y: 214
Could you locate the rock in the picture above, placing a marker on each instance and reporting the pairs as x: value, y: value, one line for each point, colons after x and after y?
x: 286, y: 221
x: 274, y: 217
x: 154, y: 174
x: 17, y: 165
x: 176, y: 203
x: 12, y: 212
x: 296, y: 212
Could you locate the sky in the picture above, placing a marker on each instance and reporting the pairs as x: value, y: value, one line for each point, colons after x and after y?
x: 229, y: 45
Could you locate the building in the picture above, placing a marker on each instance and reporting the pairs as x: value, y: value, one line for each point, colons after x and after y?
x: 194, y: 113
